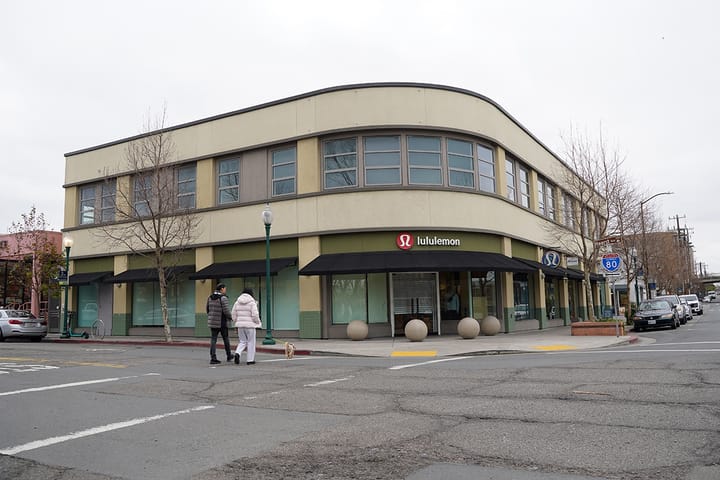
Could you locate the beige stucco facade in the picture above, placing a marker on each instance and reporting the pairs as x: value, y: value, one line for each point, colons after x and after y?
x: 311, y: 214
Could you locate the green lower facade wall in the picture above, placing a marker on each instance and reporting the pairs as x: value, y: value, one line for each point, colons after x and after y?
x: 583, y: 312
x: 201, y: 326
x: 541, y: 317
x: 509, y: 316
x: 120, y: 324
x: 565, y: 315
x: 310, y: 324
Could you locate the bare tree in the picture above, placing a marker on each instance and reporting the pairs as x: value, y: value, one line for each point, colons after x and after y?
x: 37, y: 255
x: 152, y: 218
x: 592, y: 180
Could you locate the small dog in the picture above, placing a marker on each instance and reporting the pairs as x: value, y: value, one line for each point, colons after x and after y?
x: 289, y: 350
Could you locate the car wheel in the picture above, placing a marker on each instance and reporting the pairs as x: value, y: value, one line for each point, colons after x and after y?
x: 35, y: 339
x: 675, y: 324
x: 2, y: 338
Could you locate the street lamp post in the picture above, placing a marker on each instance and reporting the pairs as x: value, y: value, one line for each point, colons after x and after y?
x: 67, y: 243
x: 637, y: 292
x: 267, y: 218
x: 646, y: 270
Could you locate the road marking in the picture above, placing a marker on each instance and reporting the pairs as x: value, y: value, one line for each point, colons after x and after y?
x: 82, y: 364
x: 96, y: 430
x: 410, y: 365
x: 554, y: 347
x: 688, y: 343
x: 688, y: 350
x: 420, y: 353
x: 73, y: 384
x: 19, y: 368
x: 327, y: 382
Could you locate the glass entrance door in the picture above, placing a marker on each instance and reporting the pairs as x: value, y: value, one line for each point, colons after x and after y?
x: 414, y: 295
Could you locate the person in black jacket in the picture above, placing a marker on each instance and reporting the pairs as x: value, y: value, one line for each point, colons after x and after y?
x: 218, y: 312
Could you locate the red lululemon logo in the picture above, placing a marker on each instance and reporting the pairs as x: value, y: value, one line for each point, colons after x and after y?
x: 404, y: 241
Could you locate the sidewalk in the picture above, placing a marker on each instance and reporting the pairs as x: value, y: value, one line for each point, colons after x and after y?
x: 552, y: 339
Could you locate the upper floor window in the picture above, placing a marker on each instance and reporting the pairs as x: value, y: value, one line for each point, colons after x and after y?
x: 569, y: 212
x: 228, y: 181
x: 541, y: 196
x: 510, y: 179
x: 486, y: 168
x: 142, y: 194
x: 424, y: 166
x: 382, y: 160
x: 550, y: 202
x: 340, y: 163
x: 283, y: 171
x: 97, y: 203
x: 186, y: 182
x: 524, y: 186
x: 461, y: 172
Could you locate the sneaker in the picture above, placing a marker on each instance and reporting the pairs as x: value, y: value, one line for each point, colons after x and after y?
x: 230, y: 358
x: 237, y: 359
x: 214, y: 361
x: 251, y: 363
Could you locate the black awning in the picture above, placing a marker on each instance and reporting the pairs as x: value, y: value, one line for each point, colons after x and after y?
x: 248, y: 268
x: 574, y: 274
x: 596, y: 277
x: 553, y: 271
x: 87, y: 278
x: 149, y: 274
x: 412, y: 261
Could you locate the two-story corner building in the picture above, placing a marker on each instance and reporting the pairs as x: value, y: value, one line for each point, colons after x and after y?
x: 391, y: 201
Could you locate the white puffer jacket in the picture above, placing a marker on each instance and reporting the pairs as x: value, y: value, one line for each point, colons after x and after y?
x: 245, y: 312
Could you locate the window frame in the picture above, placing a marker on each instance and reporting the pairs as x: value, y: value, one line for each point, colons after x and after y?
x: 341, y: 171
x: 387, y: 167
x: 438, y: 152
x: 281, y: 180
x: 180, y: 194
x: 230, y: 187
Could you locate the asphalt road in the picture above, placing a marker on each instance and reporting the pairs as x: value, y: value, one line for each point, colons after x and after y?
x: 645, y: 411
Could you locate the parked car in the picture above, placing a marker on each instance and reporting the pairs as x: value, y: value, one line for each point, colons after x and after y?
x: 654, y: 313
x: 694, y: 303
x: 682, y: 307
x: 21, y: 323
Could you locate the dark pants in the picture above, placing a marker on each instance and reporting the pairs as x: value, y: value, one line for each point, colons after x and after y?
x: 213, y: 341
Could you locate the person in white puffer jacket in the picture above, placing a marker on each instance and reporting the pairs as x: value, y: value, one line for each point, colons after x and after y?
x: 247, y: 318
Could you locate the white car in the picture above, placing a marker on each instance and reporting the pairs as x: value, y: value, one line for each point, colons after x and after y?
x: 694, y: 303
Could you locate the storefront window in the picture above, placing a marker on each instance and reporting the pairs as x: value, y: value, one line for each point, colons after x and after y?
x: 521, y: 293
x: 87, y: 305
x: 551, y: 301
x: 483, y: 295
x: 349, y: 294
x: 146, y: 311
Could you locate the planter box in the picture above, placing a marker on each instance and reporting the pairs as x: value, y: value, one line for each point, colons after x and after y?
x: 596, y: 328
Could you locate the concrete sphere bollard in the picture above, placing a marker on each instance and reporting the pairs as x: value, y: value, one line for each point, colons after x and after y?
x: 416, y: 330
x: 468, y: 328
x: 357, y: 330
x: 490, y: 325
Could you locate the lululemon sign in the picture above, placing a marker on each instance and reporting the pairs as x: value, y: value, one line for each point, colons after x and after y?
x: 404, y: 241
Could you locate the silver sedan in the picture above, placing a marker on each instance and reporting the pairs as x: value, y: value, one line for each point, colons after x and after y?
x: 21, y: 323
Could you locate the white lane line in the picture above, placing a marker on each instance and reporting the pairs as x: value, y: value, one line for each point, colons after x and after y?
x: 410, y: 365
x: 74, y: 384
x: 685, y: 343
x: 327, y: 382
x: 95, y: 430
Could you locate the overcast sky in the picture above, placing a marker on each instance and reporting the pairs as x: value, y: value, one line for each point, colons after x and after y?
x: 75, y: 74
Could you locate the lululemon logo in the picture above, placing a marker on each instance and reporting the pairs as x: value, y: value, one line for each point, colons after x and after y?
x: 404, y: 241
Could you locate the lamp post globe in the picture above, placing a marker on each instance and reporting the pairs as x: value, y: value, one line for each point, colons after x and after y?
x: 267, y: 218
x: 67, y: 243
